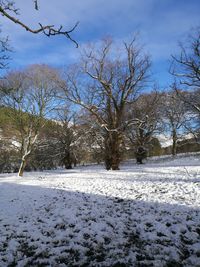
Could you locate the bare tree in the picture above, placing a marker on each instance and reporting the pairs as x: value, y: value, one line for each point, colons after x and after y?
x: 186, y: 68
x: 175, y: 116
x: 30, y: 96
x: 145, y: 121
x: 93, y: 137
x: 11, y: 12
x: 107, y: 81
x: 66, y: 137
x: 57, y: 144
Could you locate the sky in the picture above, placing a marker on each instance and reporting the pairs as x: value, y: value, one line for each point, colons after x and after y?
x: 160, y: 25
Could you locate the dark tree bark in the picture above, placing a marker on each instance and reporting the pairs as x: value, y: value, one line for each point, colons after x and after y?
x: 67, y: 160
x: 112, y: 152
x: 140, y: 154
x: 174, y: 142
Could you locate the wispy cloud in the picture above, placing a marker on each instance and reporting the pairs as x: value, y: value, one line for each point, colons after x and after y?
x: 160, y: 23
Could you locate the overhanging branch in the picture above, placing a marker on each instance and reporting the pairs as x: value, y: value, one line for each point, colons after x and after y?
x: 48, y: 30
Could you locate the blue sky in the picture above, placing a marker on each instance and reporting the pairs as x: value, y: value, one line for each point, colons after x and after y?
x: 160, y: 23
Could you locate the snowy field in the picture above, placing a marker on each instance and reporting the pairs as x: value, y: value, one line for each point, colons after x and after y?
x: 142, y: 215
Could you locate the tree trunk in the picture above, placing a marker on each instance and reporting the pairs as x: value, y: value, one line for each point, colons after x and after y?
x: 112, y: 151
x: 67, y: 160
x: 108, y: 161
x: 75, y: 162
x: 26, y: 149
x: 174, y: 143
x: 174, y: 148
x: 141, y: 154
x: 115, y: 155
x: 22, y: 166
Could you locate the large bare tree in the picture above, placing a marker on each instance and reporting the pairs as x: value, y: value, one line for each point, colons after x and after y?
x: 108, y: 79
x: 31, y: 96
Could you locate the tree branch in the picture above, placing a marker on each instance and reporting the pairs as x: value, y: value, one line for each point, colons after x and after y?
x: 48, y: 30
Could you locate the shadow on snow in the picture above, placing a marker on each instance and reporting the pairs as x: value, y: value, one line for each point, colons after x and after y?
x: 52, y: 227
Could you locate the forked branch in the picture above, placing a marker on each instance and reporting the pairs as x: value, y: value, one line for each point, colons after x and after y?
x: 48, y: 30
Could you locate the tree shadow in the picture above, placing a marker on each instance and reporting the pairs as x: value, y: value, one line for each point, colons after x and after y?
x: 53, y: 227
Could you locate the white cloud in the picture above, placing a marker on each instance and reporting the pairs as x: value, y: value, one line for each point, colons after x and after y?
x: 161, y: 23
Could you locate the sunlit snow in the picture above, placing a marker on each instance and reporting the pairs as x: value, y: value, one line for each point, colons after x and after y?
x: 142, y: 215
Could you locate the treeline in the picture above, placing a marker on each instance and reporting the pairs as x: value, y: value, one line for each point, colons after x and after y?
x: 104, y: 108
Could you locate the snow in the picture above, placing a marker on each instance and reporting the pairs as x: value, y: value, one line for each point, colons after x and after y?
x: 141, y: 215
x: 165, y: 140
x: 16, y: 143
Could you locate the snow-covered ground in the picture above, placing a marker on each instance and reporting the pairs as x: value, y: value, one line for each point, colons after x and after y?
x: 142, y: 215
